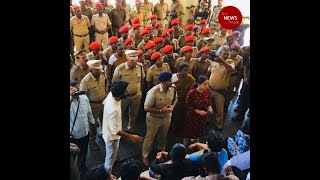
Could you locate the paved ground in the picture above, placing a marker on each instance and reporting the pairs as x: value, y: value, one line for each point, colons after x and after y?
x: 129, y: 149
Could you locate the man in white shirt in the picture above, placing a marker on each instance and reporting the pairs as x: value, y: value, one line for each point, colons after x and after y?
x: 112, y: 122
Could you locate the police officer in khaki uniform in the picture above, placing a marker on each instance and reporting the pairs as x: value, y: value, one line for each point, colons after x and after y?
x: 148, y: 9
x: 136, y: 35
x: 219, y: 76
x: 132, y: 73
x: 101, y: 24
x: 124, y: 35
x: 139, y: 13
x: 150, y: 48
x: 177, y: 31
x: 189, y: 32
x: 161, y: 9
x: 87, y: 11
x: 118, y: 17
x: 202, y: 63
x: 214, y: 20
x: 155, y: 70
x: 190, y: 40
x: 206, y: 32
x: 94, y: 84
x: 169, y: 57
x: 112, y: 47
x: 159, y: 104
x: 146, y: 36
x: 188, y: 50
x: 220, y: 39
x: 80, y: 70
x: 79, y: 26
x: 236, y: 74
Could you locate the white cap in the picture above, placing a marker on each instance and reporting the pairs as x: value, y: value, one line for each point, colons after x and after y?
x: 96, y: 64
x: 132, y: 54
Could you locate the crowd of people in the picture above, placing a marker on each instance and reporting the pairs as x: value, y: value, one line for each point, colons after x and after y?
x: 131, y: 61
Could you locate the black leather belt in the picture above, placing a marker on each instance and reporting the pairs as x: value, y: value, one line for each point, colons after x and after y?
x: 82, y: 35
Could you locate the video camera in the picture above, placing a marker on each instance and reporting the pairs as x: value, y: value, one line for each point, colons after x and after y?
x: 78, y: 93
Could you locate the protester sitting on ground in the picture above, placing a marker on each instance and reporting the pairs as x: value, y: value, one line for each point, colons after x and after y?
x: 239, y: 165
x: 212, y: 167
x: 214, y: 143
x: 98, y: 173
x: 175, y: 169
x: 241, y: 141
x: 131, y: 170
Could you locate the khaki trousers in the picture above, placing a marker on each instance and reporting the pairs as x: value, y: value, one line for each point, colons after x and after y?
x: 133, y: 105
x: 81, y: 43
x: 155, y: 125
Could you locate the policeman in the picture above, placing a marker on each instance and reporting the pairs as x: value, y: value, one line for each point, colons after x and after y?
x: 132, y: 73
x: 79, y: 71
x: 159, y: 104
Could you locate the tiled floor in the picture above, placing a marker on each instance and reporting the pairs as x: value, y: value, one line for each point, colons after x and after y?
x: 129, y: 149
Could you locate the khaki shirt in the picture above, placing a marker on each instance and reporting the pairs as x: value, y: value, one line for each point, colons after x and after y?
x: 148, y: 10
x: 141, y: 15
x: 101, y: 23
x: 201, y: 67
x: 127, y: 10
x: 137, y: 39
x: 201, y: 43
x: 77, y: 72
x: 171, y: 62
x: 146, y: 65
x: 108, y: 52
x: 219, y: 78
x: 191, y: 63
x: 177, y: 34
x: 219, y: 40
x: 117, y: 17
x: 238, y: 63
x: 131, y: 76
x: 80, y: 26
x: 175, y: 44
x: 158, y: 98
x: 96, y: 89
x: 87, y: 12
x: 154, y: 71
x: 181, y: 41
x: 161, y: 10
x: 141, y: 46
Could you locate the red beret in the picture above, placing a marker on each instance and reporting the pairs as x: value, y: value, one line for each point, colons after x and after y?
x: 203, y: 22
x: 165, y: 33
x: 205, y: 30
x: 189, y: 38
x: 167, y: 49
x: 187, y: 48
x: 155, y: 56
x: 145, y: 31
x: 153, y: 17
x: 234, y: 47
x: 188, y: 27
x: 157, y: 24
x: 76, y: 8
x: 113, y: 39
x: 171, y: 30
x: 124, y: 29
x: 135, y: 20
x: 140, y: 52
x: 158, y: 40
x: 135, y: 26
x: 236, y: 32
x: 150, y: 44
x: 99, y: 5
x: 175, y: 21
x: 204, y: 49
x: 94, y: 45
x: 149, y: 28
x: 128, y: 40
